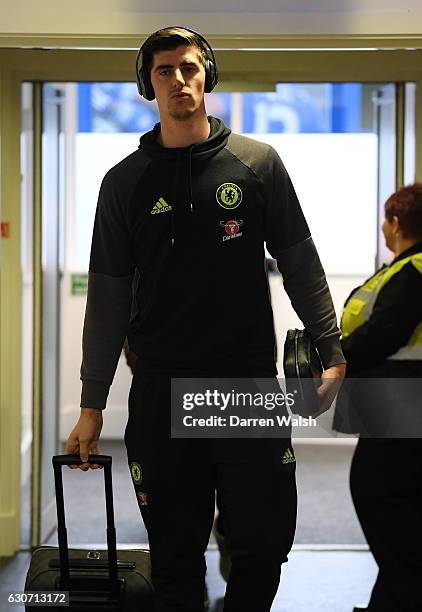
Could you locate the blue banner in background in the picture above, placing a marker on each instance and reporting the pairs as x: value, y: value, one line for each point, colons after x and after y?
x: 292, y: 108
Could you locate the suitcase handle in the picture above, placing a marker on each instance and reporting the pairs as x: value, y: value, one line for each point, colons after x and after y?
x: 105, y: 460
x: 94, y: 563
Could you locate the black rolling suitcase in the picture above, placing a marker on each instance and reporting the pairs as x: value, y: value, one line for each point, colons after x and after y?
x: 102, y: 580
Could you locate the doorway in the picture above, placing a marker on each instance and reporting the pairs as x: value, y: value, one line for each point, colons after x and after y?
x: 89, y: 126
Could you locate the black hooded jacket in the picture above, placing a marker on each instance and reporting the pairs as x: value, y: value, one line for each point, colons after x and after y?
x: 189, y: 226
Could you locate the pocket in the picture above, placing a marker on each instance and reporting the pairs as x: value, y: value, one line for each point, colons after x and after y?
x: 355, y: 305
x: 352, y: 316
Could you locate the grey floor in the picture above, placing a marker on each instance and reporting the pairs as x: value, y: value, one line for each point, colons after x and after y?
x: 313, y: 580
x: 322, y: 481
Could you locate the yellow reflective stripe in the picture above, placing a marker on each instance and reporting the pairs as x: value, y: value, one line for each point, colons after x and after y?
x: 413, y: 348
x: 372, y: 284
x: 416, y: 260
x: 359, y: 307
x: 416, y: 337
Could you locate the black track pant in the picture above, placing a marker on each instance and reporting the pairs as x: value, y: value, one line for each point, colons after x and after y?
x: 175, y: 482
x: 386, y: 486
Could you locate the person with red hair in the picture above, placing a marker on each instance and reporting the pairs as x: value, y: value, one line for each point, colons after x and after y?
x: 382, y: 339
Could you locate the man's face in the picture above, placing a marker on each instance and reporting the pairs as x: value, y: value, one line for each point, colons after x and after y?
x: 178, y: 79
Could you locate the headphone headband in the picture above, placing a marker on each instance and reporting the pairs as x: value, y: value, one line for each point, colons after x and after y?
x: 143, y: 78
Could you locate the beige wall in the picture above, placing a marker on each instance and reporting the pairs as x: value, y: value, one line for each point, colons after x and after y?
x: 25, y: 21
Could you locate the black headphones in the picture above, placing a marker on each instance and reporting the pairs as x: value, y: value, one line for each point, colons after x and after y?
x: 143, y: 78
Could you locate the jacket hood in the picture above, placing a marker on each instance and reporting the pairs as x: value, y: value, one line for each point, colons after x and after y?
x: 216, y: 140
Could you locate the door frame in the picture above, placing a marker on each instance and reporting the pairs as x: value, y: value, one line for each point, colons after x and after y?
x: 239, y: 70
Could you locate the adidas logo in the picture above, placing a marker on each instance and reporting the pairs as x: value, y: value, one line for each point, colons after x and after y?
x: 160, y: 207
x: 288, y: 457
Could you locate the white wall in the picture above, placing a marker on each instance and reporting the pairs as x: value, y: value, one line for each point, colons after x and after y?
x: 334, y: 175
x: 115, y: 416
x: 124, y: 18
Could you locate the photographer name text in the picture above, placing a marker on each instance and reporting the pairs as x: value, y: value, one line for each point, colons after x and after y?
x: 236, y: 421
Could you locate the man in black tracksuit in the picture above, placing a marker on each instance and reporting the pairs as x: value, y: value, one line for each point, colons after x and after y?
x: 190, y: 211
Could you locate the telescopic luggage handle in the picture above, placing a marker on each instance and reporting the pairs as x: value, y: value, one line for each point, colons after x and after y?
x: 75, y: 458
x: 105, y: 460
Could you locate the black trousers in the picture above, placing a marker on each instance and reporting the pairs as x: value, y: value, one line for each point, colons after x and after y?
x: 175, y: 481
x: 386, y: 486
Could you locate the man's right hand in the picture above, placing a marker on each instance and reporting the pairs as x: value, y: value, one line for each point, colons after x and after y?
x: 83, y: 438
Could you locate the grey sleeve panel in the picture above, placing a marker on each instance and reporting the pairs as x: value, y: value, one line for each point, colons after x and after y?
x: 106, y: 325
x: 285, y: 224
x: 305, y: 284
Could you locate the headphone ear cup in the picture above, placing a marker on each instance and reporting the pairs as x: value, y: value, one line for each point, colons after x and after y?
x: 209, y: 75
x: 144, y: 85
x: 139, y: 82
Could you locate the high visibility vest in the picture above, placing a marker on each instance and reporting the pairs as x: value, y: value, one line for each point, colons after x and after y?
x: 360, y: 306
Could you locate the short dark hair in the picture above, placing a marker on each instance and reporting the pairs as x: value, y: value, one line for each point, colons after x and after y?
x: 406, y: 205
x: 168, y: 39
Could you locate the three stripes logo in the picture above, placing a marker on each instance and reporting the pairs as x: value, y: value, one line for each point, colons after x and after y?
x: 160, y: 207
x: 288, y: 457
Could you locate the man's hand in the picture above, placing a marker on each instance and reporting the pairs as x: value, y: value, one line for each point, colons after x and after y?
x: 83, y: 438
x: 331, y: 380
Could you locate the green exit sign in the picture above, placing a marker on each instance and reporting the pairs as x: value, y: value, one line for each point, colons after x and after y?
x: 79, y: 284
